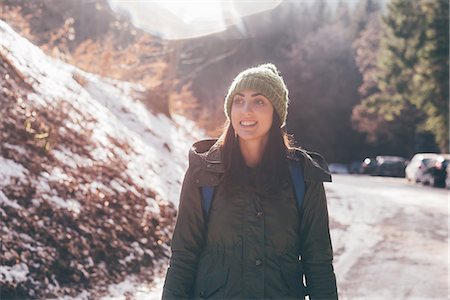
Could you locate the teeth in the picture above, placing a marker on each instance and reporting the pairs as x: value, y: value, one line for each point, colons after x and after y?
x: 248, y: 123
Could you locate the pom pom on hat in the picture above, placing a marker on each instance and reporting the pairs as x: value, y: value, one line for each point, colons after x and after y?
x: 270, y: 67
x: 264, y: 79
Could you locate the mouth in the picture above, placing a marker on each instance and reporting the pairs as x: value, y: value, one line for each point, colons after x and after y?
x: 248, y: 123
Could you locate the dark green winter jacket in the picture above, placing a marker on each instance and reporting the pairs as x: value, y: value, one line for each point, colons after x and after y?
x: 248, y: 247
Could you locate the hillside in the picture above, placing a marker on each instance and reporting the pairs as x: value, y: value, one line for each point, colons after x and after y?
x: 89, y: 178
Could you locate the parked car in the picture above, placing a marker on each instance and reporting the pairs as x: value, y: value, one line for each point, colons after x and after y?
x: 419, y: 163
x: 368, y: 166
x: 393, y: 166
x: 436, y: 173
x: 336, y: 168
x: 447, y: 180
x: 383, y: 165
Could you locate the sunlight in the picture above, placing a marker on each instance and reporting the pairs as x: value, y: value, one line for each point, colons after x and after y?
x: 190, y: 12
x: 187, y: 19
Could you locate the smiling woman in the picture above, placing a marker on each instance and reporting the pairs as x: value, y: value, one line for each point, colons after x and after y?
x: 187, y: 19
x: 246, y: 228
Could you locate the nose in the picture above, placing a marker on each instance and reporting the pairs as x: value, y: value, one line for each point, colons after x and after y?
x: 247, y: 107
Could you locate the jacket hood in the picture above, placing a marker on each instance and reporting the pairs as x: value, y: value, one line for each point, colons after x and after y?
x: 206, y: 155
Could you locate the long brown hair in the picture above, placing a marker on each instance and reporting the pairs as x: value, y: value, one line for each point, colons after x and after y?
x: 271, y: 171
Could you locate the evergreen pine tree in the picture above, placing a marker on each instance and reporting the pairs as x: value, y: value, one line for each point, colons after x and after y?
x: 412, y: 69
x: 431, y: 79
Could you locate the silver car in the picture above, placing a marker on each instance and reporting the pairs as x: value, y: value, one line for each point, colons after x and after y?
x: 418, y: 164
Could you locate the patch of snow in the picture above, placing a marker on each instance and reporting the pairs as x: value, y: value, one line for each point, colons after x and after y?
x: 57, y: 174
x: 81, y: 296
x: 99, y: 186
x: 18, y: 149
x: 15, y: 274
x: 132, y: 288
x: 152, y: 206
x: 71, y: 159
x: 119, y: 187
x: 4, y: 201
x: 10, y: 169
x: 70, y: 204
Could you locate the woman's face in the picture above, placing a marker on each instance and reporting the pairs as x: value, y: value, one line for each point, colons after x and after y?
x: 251, y: 115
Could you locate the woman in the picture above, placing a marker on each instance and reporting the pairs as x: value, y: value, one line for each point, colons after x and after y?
x: 253, y: 242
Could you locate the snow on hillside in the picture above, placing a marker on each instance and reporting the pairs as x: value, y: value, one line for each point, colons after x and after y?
x: 159, y: 145
x: 88, y: 176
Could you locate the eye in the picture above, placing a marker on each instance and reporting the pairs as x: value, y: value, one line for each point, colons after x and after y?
x: 238, y: 100
x: 259, y: 101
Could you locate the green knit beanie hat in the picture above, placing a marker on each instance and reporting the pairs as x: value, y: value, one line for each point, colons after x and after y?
x: 264, y: 79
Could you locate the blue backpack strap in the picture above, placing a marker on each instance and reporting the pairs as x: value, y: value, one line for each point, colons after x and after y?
x: 207, y: 195
x: 298, y: 180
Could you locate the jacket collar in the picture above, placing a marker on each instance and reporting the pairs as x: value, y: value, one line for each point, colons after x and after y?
x: 206, y: 155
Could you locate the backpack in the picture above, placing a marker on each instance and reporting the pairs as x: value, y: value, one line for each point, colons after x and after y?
x: 296, y: 170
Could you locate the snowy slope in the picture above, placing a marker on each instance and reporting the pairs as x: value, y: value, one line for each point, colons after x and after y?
x: 112, y: 113
x: 75, y: 146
